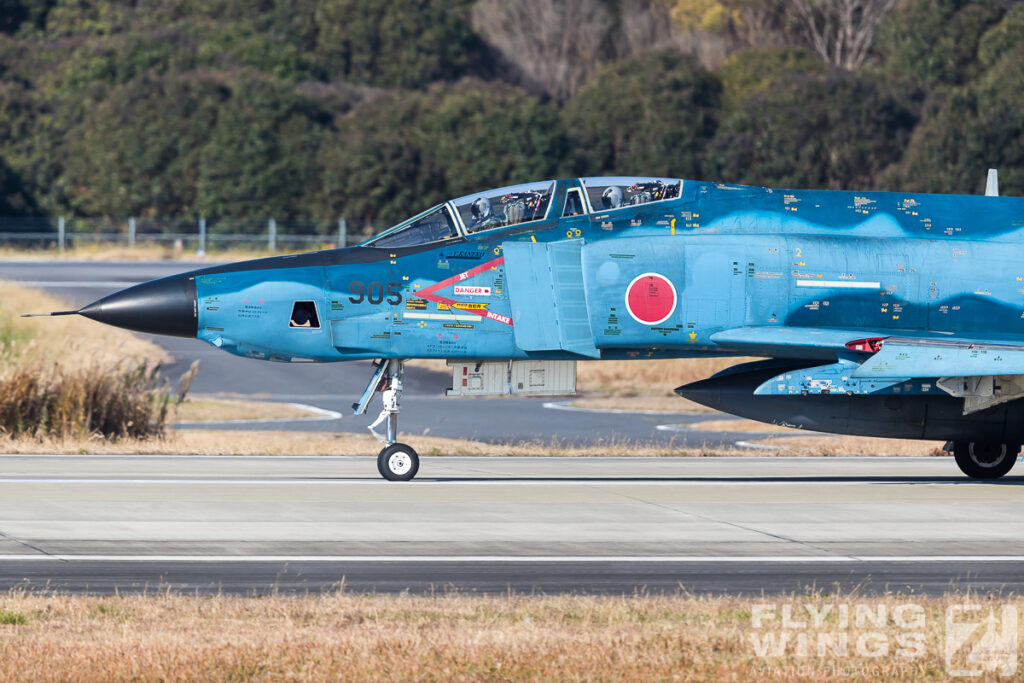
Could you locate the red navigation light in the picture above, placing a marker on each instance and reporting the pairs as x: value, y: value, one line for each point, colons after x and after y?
x: 869, y: 345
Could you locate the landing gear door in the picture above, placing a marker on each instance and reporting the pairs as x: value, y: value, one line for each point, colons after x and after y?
x: 547, y: 296
x: 359, y: 407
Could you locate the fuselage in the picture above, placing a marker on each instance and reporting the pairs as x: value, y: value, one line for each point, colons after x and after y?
x: 735, y: 256
x: 886, y: 314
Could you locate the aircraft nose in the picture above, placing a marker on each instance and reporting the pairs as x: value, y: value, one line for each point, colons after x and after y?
x: 164, y: 306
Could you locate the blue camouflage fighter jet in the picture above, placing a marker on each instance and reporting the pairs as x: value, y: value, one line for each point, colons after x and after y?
x: 882, y: 314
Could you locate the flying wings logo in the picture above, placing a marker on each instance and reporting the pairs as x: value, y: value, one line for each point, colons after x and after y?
x: 977, y: 644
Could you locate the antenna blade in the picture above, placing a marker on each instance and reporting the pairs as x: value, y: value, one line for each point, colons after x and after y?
x: 992, y: 183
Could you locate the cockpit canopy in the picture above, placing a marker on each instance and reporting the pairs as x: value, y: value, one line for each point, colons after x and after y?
x: 505, y: 206
x: 500, y: 208
x: 432, y: 225
x: 606, y: 194
x: 517, y: 204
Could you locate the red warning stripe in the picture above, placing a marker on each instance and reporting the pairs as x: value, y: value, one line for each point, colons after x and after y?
x: 428, y: 292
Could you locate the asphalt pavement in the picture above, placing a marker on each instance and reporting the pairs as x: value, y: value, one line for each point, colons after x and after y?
x: 745, y: 525
x: 477, y: 524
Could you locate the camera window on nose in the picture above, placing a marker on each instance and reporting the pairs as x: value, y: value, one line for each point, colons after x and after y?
x: 304, y: 315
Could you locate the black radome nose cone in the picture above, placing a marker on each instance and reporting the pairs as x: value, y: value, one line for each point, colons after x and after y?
x: 164, y: 306
x: 706, y: 392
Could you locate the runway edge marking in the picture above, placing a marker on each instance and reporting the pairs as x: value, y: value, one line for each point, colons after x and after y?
x: 514, y: 481
x: 763, y: 559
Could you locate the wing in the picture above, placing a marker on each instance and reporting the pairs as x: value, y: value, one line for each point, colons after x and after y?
x: 984, y: 372
x: 917, y: 357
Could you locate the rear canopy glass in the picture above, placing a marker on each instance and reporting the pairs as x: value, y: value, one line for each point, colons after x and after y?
x: 607, y: 194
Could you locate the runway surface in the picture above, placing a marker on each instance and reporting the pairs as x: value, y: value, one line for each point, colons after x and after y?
x: 336, y: 385
x: 611, y: 525
x: 583, y: 525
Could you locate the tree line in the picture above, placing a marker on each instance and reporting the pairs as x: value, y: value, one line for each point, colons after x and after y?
x: 376, y: 109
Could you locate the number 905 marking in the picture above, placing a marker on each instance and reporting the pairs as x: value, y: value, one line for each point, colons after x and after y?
x: 373, y: 293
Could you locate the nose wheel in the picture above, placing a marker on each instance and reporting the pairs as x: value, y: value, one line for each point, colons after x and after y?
x: 398, y: 462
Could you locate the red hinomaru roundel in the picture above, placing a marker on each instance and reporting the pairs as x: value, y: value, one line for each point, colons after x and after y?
x: 650, y: 298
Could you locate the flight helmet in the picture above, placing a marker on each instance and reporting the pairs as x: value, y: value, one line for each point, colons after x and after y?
x: 611, y: 198
x: 481, y: 209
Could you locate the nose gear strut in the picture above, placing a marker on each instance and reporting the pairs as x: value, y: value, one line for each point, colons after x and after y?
x: 396, y: 461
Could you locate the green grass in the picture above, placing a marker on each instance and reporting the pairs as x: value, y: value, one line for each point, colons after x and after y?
x: 12, y: 618
x: 118, y: 613
x: 11, y: 340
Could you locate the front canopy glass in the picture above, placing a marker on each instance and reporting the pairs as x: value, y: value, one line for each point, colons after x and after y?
x: 433, y: 226
x: 505, y: 206
x: 500, y: 208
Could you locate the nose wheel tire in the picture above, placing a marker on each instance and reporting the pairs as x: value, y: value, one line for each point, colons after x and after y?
x: 398, y: 462
x: 980, y: 460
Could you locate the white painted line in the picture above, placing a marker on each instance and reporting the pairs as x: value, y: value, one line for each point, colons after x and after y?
x: 172, y: 456
x: 839, y: 284
x: 53, y: 284
x: 300, y: 397
x: 485, y: 458
x: 695, y: 427
x: 498, y: 480
x: 757, y: 446
x: 321, y: 413
x: 413, y: 315
x: 563, y: 405
x: 463, y: 559
x: 318, y: 415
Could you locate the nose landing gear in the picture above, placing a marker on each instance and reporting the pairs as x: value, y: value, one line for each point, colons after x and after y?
x: 396, y: 461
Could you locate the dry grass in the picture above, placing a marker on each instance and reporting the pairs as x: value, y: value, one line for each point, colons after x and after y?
x: 457, y: 637
x: 69, y: 341
x: 246, y: 442
x: 98, y: 252
x: 646, y: 377
x: 117, y: 402
x: 839, y: 445
x: 199, y: 408
x: 101, y: 251
x: 71, y: 377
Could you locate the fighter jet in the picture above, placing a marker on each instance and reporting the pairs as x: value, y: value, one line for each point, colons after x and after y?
x: 882, y: 314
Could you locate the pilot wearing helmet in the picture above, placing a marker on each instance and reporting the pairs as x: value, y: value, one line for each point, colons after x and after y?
x: 483, y: 215
x: 612, y: 197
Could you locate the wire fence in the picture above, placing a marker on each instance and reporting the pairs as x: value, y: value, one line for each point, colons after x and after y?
x: 202, y: 235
